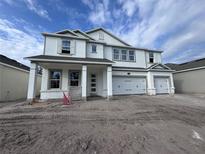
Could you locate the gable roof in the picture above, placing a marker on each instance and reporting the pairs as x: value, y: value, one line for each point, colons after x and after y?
x: 84, y: 34
x: 12, y: 62
x: 100, y: 28
x: 159, y: 66
x: 66, y: 31
x: 65, y: 36
x: 188, y: 65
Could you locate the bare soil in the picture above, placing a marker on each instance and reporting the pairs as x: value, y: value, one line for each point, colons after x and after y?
x: 127, y: 124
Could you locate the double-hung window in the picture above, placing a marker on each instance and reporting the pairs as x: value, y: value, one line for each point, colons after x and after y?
x: 116, y: 54
x: 55, y: 79
x: 124, y: 55
x: 94, y: 48
x: 74, y: 78
x: 151, y: 57
x: 66, y: 46
x: 131, y: 55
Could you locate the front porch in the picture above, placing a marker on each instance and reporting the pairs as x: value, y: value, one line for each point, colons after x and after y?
x: 78, y: 80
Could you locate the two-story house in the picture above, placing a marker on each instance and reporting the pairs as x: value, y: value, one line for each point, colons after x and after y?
x: 97, y: 63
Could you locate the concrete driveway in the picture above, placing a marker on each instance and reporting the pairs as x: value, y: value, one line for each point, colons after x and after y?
x: 127, y: 124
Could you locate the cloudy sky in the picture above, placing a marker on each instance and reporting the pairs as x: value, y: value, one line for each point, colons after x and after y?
x: 175, y: 26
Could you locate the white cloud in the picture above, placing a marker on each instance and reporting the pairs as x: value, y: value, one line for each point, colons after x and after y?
x: 128, y: 6
x: 177, y: 24
x: 100, y: 13
x: 17, y: 44
x: 32, y: 5
x: 36, y: 8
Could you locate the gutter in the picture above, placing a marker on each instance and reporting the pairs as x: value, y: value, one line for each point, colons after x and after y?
x: 190, y: 69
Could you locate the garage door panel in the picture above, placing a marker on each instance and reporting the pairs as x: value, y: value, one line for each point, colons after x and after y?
x: 161, y: 85
x: 129, y: 85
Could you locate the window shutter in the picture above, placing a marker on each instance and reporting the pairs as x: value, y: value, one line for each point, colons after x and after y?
x: 73, y: 46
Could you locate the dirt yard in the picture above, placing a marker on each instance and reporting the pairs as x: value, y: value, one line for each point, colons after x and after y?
x: 127, y: 124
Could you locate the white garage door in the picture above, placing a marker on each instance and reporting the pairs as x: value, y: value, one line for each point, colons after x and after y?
x: 161, y: 85
x: 128, y: 85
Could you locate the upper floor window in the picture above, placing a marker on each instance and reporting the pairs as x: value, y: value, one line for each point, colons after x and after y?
x: 124, y: 55
x: 116, y: 54
x: 55, y: 79
x: 94, y: 48
x: 74, y: 78
x: 66, y: 46
x: 151, y: 57
x: 131, y: 55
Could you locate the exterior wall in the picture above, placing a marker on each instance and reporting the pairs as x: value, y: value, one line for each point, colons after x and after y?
x: 47, y: 93
x: 157, y: 58
x: 98, y: 54
x: 53, y: 46
x: 190, y: 81
x: 150, y: 79
x: 139, y: 61
x: 107, y: 38
x: 11, y: 80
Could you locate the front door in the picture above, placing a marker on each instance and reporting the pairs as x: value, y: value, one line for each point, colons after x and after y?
x: 93, y: 84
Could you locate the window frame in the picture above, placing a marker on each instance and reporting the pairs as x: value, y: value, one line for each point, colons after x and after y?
x: 151, y: 57
x: 123, y: 55
x: 70, y: 80
x: 93, y: 45
x: 131, y: 55
x: 63, y: 47
x: 50, y: 79
x: 119, y: 57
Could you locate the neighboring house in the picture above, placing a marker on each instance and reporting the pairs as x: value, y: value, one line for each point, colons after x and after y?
x: 97, y: 63
x: 189, y: 77
x: 14, y: 80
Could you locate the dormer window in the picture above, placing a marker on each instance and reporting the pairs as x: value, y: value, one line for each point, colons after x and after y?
x: 66, y: 46
x: 94, y: 48
x: 151, y: 57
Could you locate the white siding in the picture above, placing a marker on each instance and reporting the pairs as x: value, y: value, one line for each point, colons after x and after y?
x: 98, y: 54
x: 139, y: 55
x: 190, y: 81
x: 53, y: 47
x: 11, y: 80
x: 107, y: 38
x: 157, y: 58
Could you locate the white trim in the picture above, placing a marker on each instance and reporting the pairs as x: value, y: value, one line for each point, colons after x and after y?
x: 66, y: 30
x: 14, y: 67
x: 69, y: 61
x: 66, y: 36
x: 17, y: 68
x: 190, y: 69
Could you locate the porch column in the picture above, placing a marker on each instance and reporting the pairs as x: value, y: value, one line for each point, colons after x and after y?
x: 32, y: 82
x: 84, y: 82
x: 172, y: 89
x: 44, y: 80
x: 150, y: 84
x: 109, y: 82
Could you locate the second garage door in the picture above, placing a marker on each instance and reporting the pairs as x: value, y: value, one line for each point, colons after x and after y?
x: 129, y: 85
x: 161, y: 85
